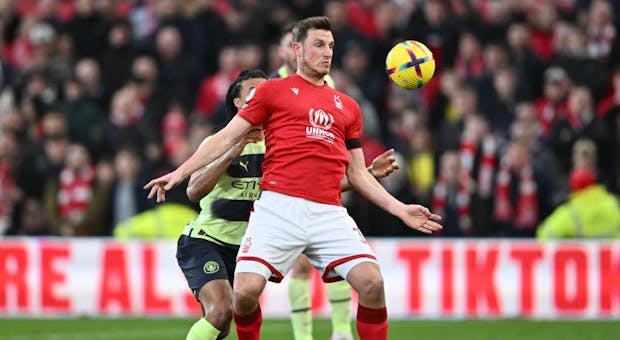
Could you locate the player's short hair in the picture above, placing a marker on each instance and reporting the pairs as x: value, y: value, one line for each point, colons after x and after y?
x: 235, y: 88
x: 300, y: 32
x: 288, y: 28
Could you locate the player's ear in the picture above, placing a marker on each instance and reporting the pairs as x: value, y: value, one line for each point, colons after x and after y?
x: 297, y: 48
x: 238, y: 102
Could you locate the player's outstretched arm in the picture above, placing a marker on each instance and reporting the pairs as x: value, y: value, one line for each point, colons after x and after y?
x: 382, y: 166
x: 204, y: 180
x: 415, y: 216
x: 219, y: 143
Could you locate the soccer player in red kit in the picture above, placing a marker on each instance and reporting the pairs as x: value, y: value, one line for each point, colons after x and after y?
x: 312, y: 136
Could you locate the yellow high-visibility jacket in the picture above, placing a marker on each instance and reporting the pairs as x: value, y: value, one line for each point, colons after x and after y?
x: 166, y: 220
x: 590, y: 213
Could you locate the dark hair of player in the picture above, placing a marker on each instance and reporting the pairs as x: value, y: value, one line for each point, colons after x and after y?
x: 300, y: 32
x: 235, y: 88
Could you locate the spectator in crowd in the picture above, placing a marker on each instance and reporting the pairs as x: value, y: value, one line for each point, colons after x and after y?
x: 601, y: 29
x: 126, y: 194
x: 464, y: 102
x: 179, y: 72
x: 83, y: 115
x: 213, y: 33
x: 528, y: 66
x: 10, y: 193
x: 212, y: 89
x: 580, y: 122
x: 521, y: 197
x: 123, y: 124
x: 117, y: 57
x: 553, y: 104
x: 88, y: 74
x: 88, y: 28
x: 74, y: 202
x: 452, y: 197
x: 590, y: 212
x: 31, y: 219
x: 469, y: 62
x: 543, y: 19
x: 152, y: 97
x: 525, y: 130
x: 612, y: 100
x: 583, y: 68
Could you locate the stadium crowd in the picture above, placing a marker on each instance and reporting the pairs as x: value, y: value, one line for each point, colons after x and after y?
x: 97, y: 96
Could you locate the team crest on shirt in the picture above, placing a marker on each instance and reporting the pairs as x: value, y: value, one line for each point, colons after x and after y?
x: 338, y: 102
x: 320, y: 123
x: 211, y: 267
x: 247, y: 243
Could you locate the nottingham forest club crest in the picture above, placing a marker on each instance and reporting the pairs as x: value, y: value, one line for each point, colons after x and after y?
x: 320, y: 123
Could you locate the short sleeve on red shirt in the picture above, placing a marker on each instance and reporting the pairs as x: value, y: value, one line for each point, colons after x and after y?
x: 354, y: 129
x: 255, y: 109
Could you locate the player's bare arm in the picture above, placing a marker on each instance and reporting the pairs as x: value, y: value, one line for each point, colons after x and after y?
x: 415, y: 216
x: 216, y: 146
x: 382, y: 166
x: 204, y: 180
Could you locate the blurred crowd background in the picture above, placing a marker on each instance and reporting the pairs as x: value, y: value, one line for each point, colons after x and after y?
x: 98, y: 96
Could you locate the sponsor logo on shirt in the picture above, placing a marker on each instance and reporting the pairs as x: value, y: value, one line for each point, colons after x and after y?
x: 320, y: 123
x: 295, y: 90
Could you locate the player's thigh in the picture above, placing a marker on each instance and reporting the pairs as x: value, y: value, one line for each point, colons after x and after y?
x: 274, y: 237
x: 336, y: 241
x: 364, y: 276
x: 302, y: 268
x: 216, y: 295
x: 202, y: 261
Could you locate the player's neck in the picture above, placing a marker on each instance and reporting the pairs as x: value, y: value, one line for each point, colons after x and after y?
x: 318, y: 80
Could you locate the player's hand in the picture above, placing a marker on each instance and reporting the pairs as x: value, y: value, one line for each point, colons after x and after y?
x: 421, y: 219
x: 159, y: 186
x: 384, y: 164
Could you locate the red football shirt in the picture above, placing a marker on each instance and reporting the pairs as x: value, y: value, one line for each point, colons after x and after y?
x: 306, y: 127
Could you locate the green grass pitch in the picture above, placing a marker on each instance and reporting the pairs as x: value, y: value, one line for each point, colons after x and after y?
x: 134, y: 329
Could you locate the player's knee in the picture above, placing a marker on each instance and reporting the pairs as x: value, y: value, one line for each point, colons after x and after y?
x: 371, y: 287
x: 301, y: 270
x: 220, y: 316
x: 246, y: 293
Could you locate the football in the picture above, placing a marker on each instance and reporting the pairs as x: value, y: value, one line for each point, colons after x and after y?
x: 410, y: 64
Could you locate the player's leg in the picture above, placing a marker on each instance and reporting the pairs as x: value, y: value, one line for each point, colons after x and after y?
x: 339, y: 250
x: 366, y: 279
x: 299, y: 299
x: 216, y: 300
x: 206, y: 267
x: 246, y: 309
x: 270, y: 247
x: 339, y: 295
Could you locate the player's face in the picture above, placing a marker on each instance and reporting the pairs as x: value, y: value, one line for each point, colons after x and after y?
x: 315, y: 53
x: 246, y: 86
x: 286, y: 51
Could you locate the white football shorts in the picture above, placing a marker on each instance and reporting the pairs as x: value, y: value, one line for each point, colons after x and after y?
x: 281, y: 227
